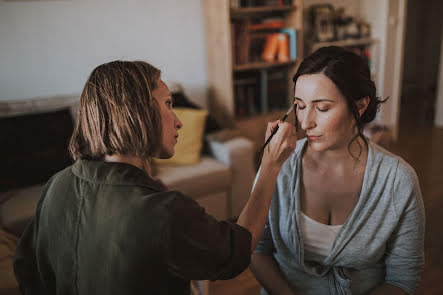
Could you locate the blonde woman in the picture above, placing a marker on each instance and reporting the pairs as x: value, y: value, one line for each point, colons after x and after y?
x: 104, y: 226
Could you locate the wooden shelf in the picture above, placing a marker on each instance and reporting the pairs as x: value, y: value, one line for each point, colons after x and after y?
x: 227, y: 96
x: 344, y: 43
x: 261, y: 65
x: 261, y: 10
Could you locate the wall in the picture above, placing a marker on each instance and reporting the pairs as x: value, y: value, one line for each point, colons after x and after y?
x: 50, y: 47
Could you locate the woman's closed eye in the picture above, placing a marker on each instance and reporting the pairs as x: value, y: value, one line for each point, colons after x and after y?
x: 322, y: 109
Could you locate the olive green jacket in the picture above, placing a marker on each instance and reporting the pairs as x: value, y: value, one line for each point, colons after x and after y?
x: 107, y: 228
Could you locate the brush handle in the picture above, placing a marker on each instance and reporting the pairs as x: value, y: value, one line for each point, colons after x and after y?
x: 272, y: 134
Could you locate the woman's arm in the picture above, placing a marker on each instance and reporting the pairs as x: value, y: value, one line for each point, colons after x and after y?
x: 200, y: 247
x: 404, y: 257
x: 267, y: 272
x: 255, y: 213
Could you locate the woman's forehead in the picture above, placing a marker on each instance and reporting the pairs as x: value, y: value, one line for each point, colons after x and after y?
x: 162, y: 90
x: 316, y: 87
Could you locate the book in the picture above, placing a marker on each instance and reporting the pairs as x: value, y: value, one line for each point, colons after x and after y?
x: 270, y: 48
x: 283, y: 47
x: 292, y: 33
x: 240, y: 39
x: 276, y: 46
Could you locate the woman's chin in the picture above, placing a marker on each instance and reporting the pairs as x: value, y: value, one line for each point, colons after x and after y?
x: 166, y: 154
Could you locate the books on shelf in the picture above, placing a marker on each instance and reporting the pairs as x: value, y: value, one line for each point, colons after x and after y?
x: 292, y: 34
x: 248, y: 96
x: 267, y: 40
x: 277, y: 89
x: 276, y: 47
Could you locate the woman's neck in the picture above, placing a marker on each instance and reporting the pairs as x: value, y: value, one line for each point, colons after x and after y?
x: 340, y: 157
x: 140, y: 163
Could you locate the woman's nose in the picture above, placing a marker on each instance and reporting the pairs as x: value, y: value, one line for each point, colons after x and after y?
x: 178, y: 123
x: 307, y: 120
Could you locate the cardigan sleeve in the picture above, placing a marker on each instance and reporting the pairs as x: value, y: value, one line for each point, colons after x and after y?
x: 200, y: 247
x: 405, y: 248
x: 266, y: 244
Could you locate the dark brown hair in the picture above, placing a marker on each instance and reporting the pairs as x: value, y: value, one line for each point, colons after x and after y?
x: 117, y: 112
x: 351, y: 74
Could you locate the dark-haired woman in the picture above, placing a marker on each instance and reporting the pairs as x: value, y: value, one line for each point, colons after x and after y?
x: 347, y: 216
x: 104, y: 226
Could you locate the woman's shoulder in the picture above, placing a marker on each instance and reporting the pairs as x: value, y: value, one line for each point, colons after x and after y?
x: 390, y: 161
x: 403, y: 177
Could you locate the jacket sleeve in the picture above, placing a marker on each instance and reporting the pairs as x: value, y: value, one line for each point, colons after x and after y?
x: 200, y: 247
x: 405, y: 248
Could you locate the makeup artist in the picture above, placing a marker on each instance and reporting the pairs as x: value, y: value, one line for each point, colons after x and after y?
x: 347, y: 216
x: 104, y: 226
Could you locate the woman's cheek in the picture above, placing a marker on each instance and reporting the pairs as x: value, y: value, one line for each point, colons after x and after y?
x: 332, y: 120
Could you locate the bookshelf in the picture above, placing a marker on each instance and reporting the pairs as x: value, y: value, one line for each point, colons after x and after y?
x: 244, y: 85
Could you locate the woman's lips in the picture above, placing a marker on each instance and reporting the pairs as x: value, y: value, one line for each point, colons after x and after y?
x: 313, y: 138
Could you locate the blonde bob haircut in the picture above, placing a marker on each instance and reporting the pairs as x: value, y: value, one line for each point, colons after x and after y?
x: 117, y: 112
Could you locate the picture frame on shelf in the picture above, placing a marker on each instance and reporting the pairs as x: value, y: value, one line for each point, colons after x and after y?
x: 322, y: 21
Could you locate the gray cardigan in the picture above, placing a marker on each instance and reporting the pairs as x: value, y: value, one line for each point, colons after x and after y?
x: 381, y: 241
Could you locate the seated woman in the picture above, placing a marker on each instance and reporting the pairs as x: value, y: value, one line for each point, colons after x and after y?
x: 104, y: 226
x: 347, y: 216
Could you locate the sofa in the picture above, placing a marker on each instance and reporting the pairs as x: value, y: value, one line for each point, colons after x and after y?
x: 220, y: 182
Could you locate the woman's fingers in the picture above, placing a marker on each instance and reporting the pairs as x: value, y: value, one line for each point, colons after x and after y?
x: 282, y: 144
x: 271, y: 127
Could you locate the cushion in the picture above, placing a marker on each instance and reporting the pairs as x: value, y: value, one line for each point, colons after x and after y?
x: 188, y: 148
x: 211, y: 125
x: 181, y: 101
x: 209, y: 176
x: 8, y: 243
x: 16, y: 212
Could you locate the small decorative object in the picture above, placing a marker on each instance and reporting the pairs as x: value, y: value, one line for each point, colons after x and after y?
x: 365, y: 29
x: 322, y: 18
x: 340, y: 22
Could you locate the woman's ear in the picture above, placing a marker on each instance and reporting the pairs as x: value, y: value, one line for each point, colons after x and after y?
x: 362, y: 104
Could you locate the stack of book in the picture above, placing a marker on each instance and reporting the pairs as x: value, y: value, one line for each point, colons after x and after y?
x: 265, y: 41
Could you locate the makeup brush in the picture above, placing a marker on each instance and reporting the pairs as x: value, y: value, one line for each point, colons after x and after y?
x: 276, y: 128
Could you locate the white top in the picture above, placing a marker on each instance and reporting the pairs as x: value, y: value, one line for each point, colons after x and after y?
x: 317, y: 238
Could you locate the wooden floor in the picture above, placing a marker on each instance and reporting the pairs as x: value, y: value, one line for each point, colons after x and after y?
x: 421, y: 145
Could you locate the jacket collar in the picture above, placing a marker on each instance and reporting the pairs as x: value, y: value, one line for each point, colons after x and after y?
x: 113, y: 173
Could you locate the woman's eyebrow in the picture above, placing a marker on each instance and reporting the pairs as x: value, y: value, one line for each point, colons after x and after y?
x: 316, y: 100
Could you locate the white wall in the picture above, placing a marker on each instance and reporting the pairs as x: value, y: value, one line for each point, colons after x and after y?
x: 376, y: 13
x: 50, y: 47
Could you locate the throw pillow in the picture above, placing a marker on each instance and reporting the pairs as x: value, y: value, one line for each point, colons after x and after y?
x: 190, y: 140
x: 211, y: 125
